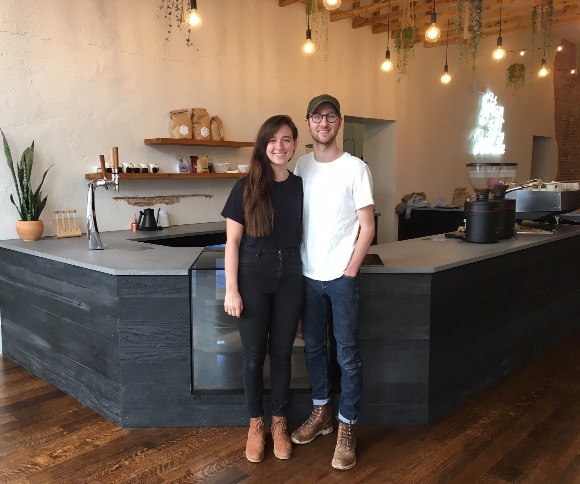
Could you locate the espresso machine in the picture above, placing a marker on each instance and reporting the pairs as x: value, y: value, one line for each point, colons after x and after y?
x: 482, y: 214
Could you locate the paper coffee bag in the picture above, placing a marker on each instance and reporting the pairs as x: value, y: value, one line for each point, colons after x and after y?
x: 202, y: 164
x: 180, y: 124
x: 201, y: 123
x: 216, y: 129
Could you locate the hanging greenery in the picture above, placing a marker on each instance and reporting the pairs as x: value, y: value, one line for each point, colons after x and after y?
x: 516, y: 76
x: 542, y: 17
x: 405, y: 40
x: 174, y: 12
x: 470, y: 29
x: 405, y: 48
x: 319, y: 19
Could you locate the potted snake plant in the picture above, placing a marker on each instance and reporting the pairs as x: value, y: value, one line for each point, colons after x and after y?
x: 28, y: 202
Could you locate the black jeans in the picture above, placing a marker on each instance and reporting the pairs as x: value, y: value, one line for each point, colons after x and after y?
x: 272, y: 289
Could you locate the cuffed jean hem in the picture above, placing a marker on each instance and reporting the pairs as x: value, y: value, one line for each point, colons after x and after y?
x: 345, y: 420
x: 320, y: 402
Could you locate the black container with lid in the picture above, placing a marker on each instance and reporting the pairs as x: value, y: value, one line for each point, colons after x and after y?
x: 481, y: 221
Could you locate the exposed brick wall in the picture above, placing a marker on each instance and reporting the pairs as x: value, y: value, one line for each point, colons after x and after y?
x: 567, y: 113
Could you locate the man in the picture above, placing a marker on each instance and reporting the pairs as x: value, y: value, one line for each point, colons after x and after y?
x: 338, y: 230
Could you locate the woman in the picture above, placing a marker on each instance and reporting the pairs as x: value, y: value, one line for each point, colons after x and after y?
x: 264, y: 287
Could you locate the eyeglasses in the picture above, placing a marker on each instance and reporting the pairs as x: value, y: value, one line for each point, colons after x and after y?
x: 331, y: 118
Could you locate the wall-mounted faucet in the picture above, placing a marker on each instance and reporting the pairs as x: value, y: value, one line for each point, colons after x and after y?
x: 92, y: 228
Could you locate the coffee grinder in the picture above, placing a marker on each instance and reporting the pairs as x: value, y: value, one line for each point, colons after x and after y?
x: 506, y: 225
x: 481, y: 214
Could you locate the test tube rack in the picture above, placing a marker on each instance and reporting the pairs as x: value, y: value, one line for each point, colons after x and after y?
x: 65, y: 224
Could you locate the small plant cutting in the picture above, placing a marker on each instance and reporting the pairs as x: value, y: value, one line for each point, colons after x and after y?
x: 406, y: 39
x: 30, y: 202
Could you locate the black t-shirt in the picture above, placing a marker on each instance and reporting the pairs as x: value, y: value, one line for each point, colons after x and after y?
x: 287, y: 204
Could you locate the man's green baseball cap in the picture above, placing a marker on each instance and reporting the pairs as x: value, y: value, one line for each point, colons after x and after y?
x: 323, y: 98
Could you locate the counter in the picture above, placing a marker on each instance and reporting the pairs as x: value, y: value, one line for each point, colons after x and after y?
x: 441, y: 320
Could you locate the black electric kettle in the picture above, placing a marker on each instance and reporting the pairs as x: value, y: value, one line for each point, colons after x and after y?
x: 147, y: 220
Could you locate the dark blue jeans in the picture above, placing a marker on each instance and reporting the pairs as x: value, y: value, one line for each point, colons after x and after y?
x: 341, y: 296
x: 272, y: 289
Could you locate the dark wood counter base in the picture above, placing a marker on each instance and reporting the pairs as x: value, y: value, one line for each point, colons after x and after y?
x: 431, y: 341
x: 122, y: 344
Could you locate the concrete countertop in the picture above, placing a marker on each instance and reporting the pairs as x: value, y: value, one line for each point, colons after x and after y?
x: 126, y: 254
x: 436, y: 253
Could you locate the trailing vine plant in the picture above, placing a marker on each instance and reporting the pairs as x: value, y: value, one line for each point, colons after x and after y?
x: 542, y: 24
x: 174, y: 12
x: 319, y: 19
x: 470, y: 29
x: 405, y: 41
x: 516, y: 76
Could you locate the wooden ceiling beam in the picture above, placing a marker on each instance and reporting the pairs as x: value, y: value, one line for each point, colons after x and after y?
x: 515, y: 15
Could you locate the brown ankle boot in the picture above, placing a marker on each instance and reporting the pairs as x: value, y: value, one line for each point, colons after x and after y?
x: 256, y: 440
x: 282, y: 444
x: 319, y: 422
x: 344, y: 453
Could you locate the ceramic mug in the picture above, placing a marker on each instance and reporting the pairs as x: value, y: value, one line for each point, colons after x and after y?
x: 127, y: 167
x: 153, y: 167
x: 143, y: 168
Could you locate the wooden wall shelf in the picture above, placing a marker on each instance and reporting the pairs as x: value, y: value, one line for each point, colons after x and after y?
x: 173, y: 176
x: 196, y: 142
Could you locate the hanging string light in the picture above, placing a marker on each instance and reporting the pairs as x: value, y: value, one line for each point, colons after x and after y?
x: 433, y: 33
x: 446, y: 78
x: 387, y: 65
x: 308, y: 48
x: 544, y: 71
x: 331, y: 4
x: 499, y: 52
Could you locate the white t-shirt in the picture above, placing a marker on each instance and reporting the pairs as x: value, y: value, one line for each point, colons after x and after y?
x: 333, y: 192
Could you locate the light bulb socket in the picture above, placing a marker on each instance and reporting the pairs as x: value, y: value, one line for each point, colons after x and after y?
x: 543, y: 62
x: 499, y: 41
x: 308, y: 34
x: 446, y: 69
x: 388, y: 55
x: 433, y: 17
x: 193, y: 4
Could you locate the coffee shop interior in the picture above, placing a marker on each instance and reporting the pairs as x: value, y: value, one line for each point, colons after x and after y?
x: 434, y: 96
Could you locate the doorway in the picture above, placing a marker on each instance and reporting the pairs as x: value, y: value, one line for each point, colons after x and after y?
x: 374, y: 141
x: 541, y: 154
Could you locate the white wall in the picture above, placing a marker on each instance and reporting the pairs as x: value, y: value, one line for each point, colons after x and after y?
x: 436, y: 121
x: 81, y: 77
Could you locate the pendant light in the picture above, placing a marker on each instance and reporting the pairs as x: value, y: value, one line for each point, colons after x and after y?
x: 193, y: 17
x: 544, y: 71
x: 499, y: 52
x: 331, y: 4
x: 387, y: 65
x: 308, y: 48
x: 446, y: 78
x: 433, y: 33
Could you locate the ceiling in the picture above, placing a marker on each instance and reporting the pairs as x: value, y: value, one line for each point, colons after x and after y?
x: 516, y: 16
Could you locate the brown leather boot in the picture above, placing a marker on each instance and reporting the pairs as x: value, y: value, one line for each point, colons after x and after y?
x: 319, y: 422
x: 282, y: 444
x: 344, y: 453
x: 256, y: 440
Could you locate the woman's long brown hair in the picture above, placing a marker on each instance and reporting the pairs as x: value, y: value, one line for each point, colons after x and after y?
x: 258, y: 210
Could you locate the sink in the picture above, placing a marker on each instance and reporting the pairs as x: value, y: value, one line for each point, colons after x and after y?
x: 194, y: 240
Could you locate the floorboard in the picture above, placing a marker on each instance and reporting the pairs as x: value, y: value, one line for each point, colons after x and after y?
x: 526, y: 429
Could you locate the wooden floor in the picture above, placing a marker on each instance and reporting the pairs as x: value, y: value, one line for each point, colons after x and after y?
x: 526, y: 429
